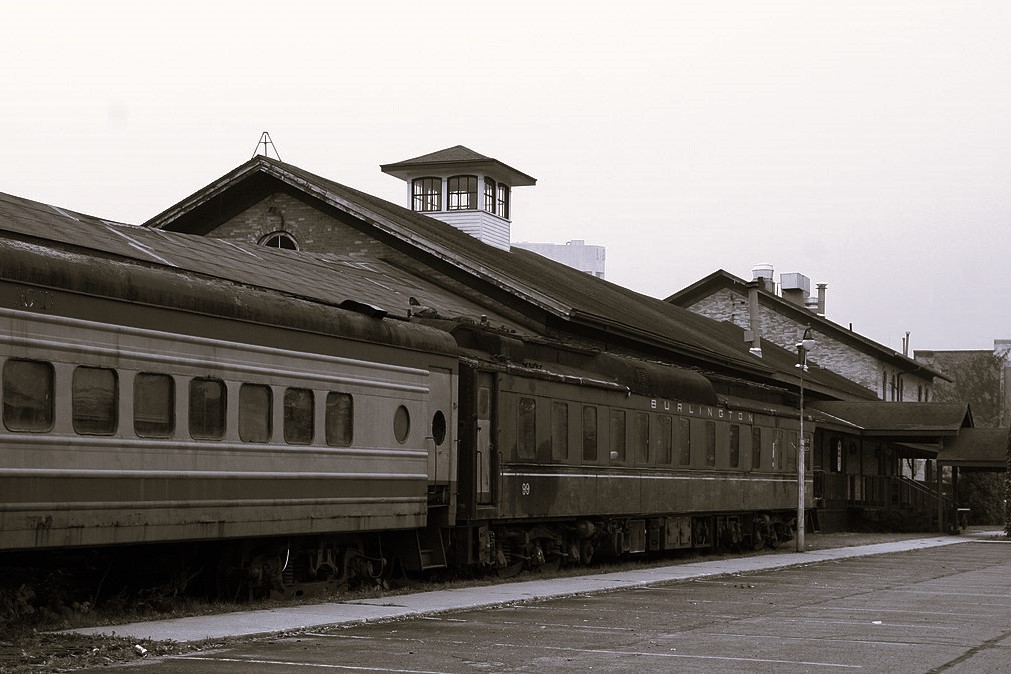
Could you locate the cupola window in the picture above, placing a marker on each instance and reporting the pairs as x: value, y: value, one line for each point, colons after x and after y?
x: 489, y: 195
x: 462, y: 193
x: 427, y: 194
x: 502, y: 207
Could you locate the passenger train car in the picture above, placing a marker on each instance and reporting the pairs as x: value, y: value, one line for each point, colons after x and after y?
x: 146, y: 405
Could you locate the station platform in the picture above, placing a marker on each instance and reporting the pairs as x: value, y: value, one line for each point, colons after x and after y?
x: 252, y: 623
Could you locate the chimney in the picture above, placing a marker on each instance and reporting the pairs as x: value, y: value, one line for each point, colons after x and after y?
x: 821, y: 298
x: 754, y: 334
x: 762, y: 274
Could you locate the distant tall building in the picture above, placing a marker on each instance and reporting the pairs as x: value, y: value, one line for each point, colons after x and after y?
x: 575, y: 254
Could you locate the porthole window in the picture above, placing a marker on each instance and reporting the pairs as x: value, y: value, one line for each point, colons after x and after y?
x: 401, y: 424
x: 28, y: 395
x: 439, y: 428
x: 282, y: 240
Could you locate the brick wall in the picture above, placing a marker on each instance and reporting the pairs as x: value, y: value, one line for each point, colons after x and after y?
x: 312, y: 229
x: 841, y: 358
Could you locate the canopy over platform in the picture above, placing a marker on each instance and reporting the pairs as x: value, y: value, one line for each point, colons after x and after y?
x: 984, y: 448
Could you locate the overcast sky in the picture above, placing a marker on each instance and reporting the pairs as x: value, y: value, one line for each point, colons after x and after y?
x: 864, y: 144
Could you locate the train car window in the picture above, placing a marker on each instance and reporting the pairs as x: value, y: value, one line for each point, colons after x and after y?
x: 340, y: 420
x: 666, y: 425
x: 642, y: 437
x: 618, y: 435
x: 298, y: 416
x: 154, y: 413
x: 438, y: 428
x: 526, y: 428
x: 589, y: 433
x: 683, y: 441
x: 777, y: 449
x: 559, y: 431
x: 95, y: 400
x: 756, y: 447
x: 710, y: 443
x: 255, y: 413
x: 208, y: 398
x: 28, y: 395
x: 735, y: 446
x: 791, y: 451
x: 401, y: 424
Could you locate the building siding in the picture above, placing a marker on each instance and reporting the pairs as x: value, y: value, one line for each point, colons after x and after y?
x: 841, y: 358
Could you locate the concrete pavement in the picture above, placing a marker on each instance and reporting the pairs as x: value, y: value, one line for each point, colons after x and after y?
x: 294, y: 618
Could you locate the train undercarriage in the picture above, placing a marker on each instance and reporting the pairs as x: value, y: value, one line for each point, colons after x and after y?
x: 329, y: 565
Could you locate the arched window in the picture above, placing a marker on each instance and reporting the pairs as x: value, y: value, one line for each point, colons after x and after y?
x: 427, y: 194
x: 462, y: 193
x: 279, y: 240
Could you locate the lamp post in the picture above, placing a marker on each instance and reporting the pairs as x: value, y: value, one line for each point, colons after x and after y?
x: 805, y: 344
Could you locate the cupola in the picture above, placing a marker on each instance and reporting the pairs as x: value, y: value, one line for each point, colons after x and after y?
x: 464, y: 189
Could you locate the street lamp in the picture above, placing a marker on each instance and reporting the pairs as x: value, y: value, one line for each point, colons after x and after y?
x: 805, y: 344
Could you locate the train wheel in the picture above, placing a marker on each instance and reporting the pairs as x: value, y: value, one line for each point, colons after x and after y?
x: 510, y: 571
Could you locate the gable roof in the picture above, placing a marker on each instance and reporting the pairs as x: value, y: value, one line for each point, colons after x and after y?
x: 721, y: 279
x: 977, y: 448
x: 457, y: 158
x: 895, y: 420
x: 560, y: 292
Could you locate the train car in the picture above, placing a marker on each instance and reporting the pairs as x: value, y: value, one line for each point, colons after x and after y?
x: 306, y: 443
x: 145, y: 405
x: 565, y: 455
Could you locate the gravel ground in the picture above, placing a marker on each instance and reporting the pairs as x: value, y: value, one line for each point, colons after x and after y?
x: 36, y: 649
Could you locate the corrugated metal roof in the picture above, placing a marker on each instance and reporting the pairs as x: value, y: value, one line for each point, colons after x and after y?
x: 330, y: 279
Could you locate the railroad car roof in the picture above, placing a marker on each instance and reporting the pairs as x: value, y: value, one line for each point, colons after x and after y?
x: 62, y: 248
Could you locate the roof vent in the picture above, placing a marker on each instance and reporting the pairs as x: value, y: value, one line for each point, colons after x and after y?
x: 763, y: 274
